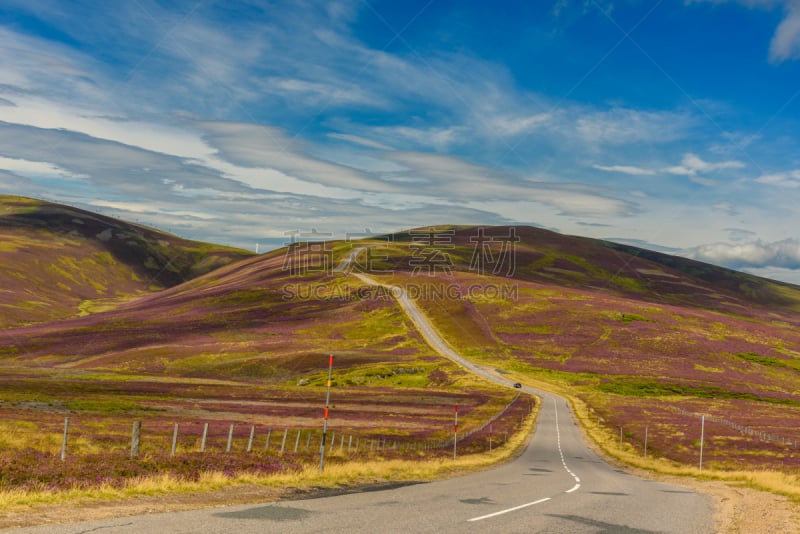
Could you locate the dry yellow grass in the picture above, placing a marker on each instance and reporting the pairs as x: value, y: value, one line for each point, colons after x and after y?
x: 786, y: 484
x: 334, y: 475
x: 24, y: 434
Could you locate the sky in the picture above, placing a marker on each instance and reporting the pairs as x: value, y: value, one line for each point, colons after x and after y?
x: 668, y: 124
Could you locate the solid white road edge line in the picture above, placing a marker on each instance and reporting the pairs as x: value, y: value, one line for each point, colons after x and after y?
x: 501, y: 512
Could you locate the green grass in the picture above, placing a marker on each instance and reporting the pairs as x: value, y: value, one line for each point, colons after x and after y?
x: 763, y: 360
x: 405, y: 376
x: 642, y: 387
x: 104, y: 406
x: 628, y: 318
x: 244, y: 364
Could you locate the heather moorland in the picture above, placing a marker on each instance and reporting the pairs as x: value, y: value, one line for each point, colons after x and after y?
x: 242, y: 348
x: 645, y: 344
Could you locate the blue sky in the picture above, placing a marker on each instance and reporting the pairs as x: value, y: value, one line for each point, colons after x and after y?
x: 669, y: 124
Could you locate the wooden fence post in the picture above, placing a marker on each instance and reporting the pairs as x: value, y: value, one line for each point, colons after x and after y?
x: 135, y: 435
x: 175, y: 439
x: 230, y: 439
x: 283, y: 443
x: 64, y: 440
x: 203, y: 440
x: 252, y: 436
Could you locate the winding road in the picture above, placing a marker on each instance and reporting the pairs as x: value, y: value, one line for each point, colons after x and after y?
x: 556, y: 485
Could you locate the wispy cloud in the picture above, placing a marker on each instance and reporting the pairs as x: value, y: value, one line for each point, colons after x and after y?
x: 359, y: 140
x: 316, y: 94
x: 448, y: 177
x: 619, y: 126
x: 265, y: 147
x: 693, y: 166
x: 41, y: 169
x: 625, y: 169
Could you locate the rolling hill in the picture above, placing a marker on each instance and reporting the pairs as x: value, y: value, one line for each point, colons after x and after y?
x: 574, y: 305
x: 57, y: 261
x: 631, y: 332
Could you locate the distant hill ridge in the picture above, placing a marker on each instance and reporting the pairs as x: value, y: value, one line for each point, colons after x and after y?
x: 585, y: 263
x: 58, y: 261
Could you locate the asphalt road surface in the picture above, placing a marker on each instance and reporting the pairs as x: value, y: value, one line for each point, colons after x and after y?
x: 556, y: 485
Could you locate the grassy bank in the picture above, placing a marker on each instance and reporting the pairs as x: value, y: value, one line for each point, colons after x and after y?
x: 336, y: 475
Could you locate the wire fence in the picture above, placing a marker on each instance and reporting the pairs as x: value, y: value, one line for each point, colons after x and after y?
x: 80, y: 451
x: 742, y: 429
x: 700, y: 439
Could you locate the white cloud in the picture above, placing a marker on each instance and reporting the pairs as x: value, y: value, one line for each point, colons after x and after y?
x: 37, y: 169
x: 453, y: 178
x: 625, y: 169
x: 785, y: 43
x: 265, y: 147
x: 439, y: 138
x: 325, y: 94
x: 572, y: 200
x: 514, y: 125
x: 34, y: 66
x: 790, y: 179
x: 692, y: 166
x: 100, y: 124
x: 784, y: 254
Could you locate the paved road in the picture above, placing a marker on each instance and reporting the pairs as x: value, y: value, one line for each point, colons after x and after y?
x: 557, y: 485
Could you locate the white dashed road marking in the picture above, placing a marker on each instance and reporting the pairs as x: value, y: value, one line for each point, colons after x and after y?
x: 563, y: 462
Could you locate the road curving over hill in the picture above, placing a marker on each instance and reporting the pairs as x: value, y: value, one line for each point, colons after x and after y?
x: 556, y: 485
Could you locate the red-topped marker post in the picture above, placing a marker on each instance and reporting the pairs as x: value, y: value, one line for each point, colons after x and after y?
x: 325, y: 418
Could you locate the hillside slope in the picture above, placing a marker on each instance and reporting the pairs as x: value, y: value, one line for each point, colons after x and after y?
x: 57, y: 261
x: 648, y: 342
x: 251, y: 320
x: 576, y: 306
x: 539, y: 255
x: 642, y: 338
